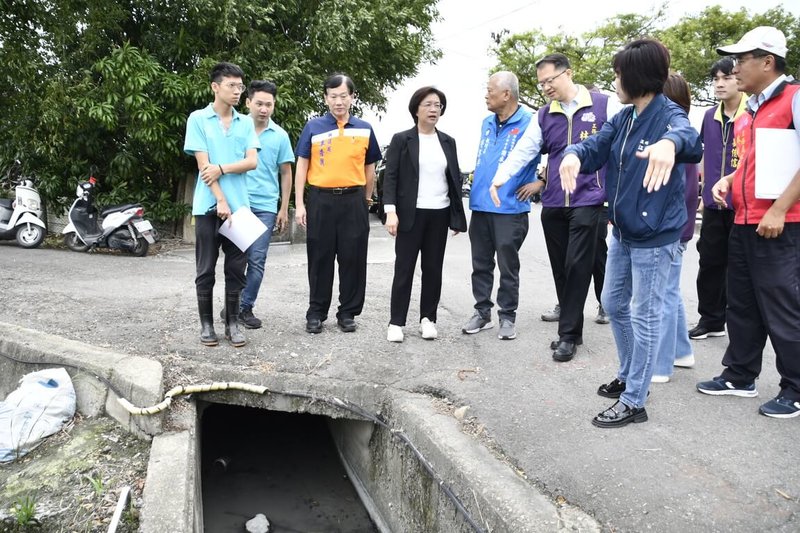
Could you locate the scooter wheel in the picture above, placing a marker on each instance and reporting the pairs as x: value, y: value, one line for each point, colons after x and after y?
x: 140, y: 250
x: 30, y: 235
x: 74, y: 243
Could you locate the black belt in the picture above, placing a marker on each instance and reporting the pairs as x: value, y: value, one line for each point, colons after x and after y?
x: 338, y: 190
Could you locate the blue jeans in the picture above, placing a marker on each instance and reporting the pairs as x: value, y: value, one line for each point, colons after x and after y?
x: 633, y: 297
x: 256, y: 258
x: 674, y: 332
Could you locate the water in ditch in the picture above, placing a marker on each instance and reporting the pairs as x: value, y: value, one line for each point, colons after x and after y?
x: 282, y: 465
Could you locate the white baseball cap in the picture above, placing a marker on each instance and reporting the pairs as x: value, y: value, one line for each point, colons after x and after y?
x: 764, y: 38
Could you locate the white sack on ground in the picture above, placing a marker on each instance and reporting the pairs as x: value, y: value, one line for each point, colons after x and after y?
x: 39, y: 407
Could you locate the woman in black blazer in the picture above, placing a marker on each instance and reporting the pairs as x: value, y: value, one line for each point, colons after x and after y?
x: 422, y: 198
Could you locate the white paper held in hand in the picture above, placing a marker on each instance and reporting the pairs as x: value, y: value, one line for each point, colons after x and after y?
x: 243, y: 228
x: 777, y: 161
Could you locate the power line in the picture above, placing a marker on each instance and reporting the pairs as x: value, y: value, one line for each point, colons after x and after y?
x: 485, y: 22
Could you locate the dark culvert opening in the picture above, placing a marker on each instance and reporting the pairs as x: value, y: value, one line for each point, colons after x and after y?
x: 282, y: 465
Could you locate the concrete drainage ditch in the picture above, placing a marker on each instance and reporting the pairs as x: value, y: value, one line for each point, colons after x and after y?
x: 412, y: 467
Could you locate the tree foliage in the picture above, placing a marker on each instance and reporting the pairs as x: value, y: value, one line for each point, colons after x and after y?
x: 692, y: 41
x: 108, y: 84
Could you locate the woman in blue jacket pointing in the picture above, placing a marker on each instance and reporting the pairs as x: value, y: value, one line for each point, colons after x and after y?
x: 643, y: 147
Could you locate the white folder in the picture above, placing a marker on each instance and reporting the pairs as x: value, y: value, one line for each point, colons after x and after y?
x: 777, y: 160
x: 243, y: 228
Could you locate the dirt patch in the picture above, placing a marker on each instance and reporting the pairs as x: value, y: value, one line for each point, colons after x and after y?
x: 72, y: 482
x: 162, y: 245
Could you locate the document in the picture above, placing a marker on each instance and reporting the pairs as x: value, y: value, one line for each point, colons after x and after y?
x: 243, y: 228
x: 777, y: 161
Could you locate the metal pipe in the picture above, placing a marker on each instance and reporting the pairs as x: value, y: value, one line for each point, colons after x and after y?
x: 123, y: 499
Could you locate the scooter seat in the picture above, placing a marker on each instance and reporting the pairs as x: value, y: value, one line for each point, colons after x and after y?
x: 6, y: 202
x: 117, y: 208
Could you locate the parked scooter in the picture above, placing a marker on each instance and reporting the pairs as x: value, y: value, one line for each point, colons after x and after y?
x: 122, y: 226
x: 21, y: 218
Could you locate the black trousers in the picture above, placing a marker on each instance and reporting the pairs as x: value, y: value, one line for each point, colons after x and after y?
x: 337, y: 230
x: 500, y: 235
x: 712, y: 275
x: 206, y: 253
x: 600, y: 254
x: 764, y: 300
x: 427, y: 238
x: 570, y: 234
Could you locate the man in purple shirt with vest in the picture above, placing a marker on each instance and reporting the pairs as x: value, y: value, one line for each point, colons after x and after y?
x: 720, y: 158
x: 570, y: 220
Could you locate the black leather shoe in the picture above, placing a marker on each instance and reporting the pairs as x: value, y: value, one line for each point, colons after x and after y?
x: 619, y: 415
x: 554, y: 344
x: 348, y: 325
x: 565, y: 351
x: 612, y: 390
x: 314, y: 325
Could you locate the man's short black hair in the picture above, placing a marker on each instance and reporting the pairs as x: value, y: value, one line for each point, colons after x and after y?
x: 225, y: 70
x: 263, y: 86
x: 336, y: 80
x: 422, y: 93
x: 559, y: 61
x: 724, y: 65
x: 642, y: 67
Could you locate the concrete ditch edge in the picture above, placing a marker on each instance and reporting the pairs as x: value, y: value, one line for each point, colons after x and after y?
x: 138, y: 378
x: 494, y: 494
x: 172, y: 500
x: 496, y: 497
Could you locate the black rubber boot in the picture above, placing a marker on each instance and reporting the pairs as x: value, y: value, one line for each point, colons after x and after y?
x: 232, y: 332
x: 205, y: 304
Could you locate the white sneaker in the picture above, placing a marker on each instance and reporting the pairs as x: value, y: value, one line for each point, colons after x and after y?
x: 428, y: 329
x: 659, y: 379
x: 687, y: 361
x: 394, y: 333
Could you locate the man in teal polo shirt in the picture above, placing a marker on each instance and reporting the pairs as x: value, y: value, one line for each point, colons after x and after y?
x: 225, y: 145
x: 264, y: 187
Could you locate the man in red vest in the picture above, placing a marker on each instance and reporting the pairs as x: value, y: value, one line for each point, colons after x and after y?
x: 764, y: 246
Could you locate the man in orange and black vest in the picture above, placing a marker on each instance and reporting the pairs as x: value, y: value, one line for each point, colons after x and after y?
x: 336, y: 156
x: 764, y: 246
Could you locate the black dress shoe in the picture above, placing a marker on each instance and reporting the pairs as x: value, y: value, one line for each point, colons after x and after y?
x: 348, y: 325
x: 554, y: 344
x: 619, y: 415
x: 565, y: 351
x: 314, y: 325
x: 612, y: 390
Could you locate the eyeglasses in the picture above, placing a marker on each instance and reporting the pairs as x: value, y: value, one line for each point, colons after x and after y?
x: 549, y: 81
x: 435, y: 105
x: 232, y: 85
x: 738, y: 60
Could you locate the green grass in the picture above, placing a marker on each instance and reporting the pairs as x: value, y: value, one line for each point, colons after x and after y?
x: 24, y: 511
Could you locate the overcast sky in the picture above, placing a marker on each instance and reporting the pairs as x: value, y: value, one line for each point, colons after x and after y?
x: 463, y: 35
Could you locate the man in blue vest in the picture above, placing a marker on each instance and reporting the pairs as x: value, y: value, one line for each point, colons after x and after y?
x: 497, y: 229
x: 570, y: 221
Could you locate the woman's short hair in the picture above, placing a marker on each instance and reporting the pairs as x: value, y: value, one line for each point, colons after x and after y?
x: 422, y: 93
x: 642, y: 67
x: 677, y: 90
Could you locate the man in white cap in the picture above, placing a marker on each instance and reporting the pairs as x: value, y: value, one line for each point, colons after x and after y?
x: 764, y: 246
